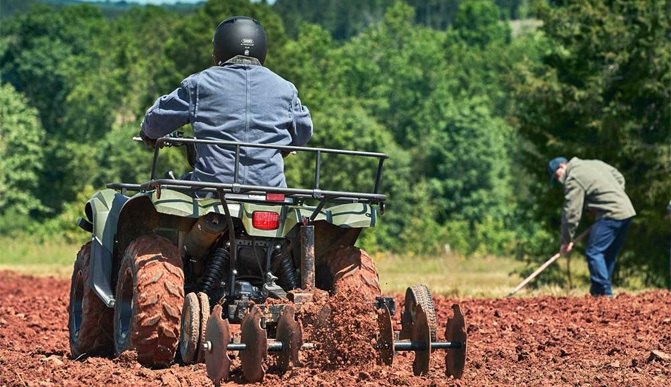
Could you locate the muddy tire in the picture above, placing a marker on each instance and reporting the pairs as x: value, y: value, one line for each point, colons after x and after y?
x: 89, y: 319
x: 352, y: 270
x: 149, y: 299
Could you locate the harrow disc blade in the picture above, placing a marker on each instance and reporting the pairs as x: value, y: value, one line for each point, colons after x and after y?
x: 204, y: 302
x: 290, y: 334
x: 385, y: 340
x: 421, y: 334
x: 218, y: 335
x: 455, y: 331
x: 256, y: 340
x: 189, y: 334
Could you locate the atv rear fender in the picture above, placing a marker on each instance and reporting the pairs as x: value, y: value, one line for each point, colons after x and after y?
x: 102, y: 211
x: 348, y: 215
x: 117, y: 220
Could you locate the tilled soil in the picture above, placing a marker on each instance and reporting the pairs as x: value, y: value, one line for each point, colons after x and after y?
x: 543, y: 341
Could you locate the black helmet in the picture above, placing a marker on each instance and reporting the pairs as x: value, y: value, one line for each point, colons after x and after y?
x: 239, y: 35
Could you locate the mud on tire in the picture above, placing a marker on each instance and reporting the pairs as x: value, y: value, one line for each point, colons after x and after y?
x: 89, y: 319
x: 350, y: 269
x: 149, y: 299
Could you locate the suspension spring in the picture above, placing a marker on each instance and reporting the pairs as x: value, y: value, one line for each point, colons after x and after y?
x: 218, y: 265
x: 287, y: 271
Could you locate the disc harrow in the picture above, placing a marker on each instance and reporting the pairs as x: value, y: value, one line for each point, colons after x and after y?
x: 420, y: 342
x: 255, y: 345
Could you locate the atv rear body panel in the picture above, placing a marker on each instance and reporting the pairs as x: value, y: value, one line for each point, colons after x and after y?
x: 117, y: 218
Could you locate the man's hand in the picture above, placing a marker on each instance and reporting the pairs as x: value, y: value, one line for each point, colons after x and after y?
x: 565, y: 249
x: 150, y: 142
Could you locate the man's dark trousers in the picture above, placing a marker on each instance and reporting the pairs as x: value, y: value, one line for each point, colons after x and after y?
x: 605, y: 241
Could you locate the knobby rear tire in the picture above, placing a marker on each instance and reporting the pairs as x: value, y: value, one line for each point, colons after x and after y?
x: 352, y: 269
x: 89, y: 319
x: 150, y: 295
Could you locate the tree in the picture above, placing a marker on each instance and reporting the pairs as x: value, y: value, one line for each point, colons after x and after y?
x: 391, y: 67
x: 399, y: 88
x: 21, y: 136
x: 477, y: 23
x: 467, y: 162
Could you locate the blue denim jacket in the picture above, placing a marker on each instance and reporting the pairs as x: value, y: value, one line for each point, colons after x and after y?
x: 240, y: 101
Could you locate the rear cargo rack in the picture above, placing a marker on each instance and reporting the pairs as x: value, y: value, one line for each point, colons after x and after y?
x: 372, y: 197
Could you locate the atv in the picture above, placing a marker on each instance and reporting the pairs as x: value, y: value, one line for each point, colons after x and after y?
x: 173, y: 264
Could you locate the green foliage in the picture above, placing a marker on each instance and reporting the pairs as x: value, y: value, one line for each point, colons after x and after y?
x: 465, y: 158
x: 391, y: 68
x: 310, y: 62
x: 20, y: 154
x: 64, y: 225
x: 345, y: 19
x: 418, y: 232
x: 477, y: 23
x: 87, y: 78
x: 46, y: 53
x: 9, y: 8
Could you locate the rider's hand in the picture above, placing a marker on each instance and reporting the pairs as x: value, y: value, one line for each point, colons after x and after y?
x: 150, y: 142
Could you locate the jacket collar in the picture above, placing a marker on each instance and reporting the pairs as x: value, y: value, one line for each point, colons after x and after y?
x: 241, y: 59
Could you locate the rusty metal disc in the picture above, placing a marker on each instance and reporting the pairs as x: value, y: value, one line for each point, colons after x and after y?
x: 455, y: 331
x: 385, y: 340
x: 290, y: 334
x: 217, y: 337
x: 256, y: 340
x: 407, y: 319
x: 189, y: 333
x: 421, y: 336
x: 204, y: 302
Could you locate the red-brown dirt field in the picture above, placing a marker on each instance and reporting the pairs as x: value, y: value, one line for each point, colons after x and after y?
x: 542, y: 341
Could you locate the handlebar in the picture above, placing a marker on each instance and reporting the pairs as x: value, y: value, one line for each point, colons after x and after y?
x: 166, y: 139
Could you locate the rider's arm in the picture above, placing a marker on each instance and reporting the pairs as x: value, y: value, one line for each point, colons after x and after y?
x: 168, y: 113
x: 301, y: 130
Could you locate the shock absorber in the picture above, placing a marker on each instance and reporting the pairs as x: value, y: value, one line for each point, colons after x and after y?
x: 287, y: 271
x: 218, y: 265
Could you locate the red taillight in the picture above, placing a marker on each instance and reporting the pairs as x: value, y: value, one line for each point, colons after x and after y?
x: 265, y: 220
x: 275, y: 197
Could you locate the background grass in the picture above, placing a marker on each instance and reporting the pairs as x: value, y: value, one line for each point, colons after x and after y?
x: 26, y: 256
x: 450, y: 275
x: 478, y: 276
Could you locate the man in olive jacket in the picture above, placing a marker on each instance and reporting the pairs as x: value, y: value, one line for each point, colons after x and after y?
x: 599, y: 188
